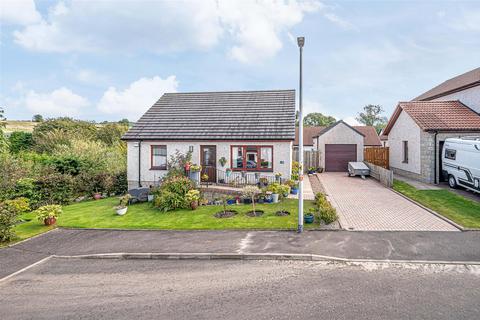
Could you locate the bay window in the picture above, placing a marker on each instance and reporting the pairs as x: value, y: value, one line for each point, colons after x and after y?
x: 159, y: 157
x: 252, y: 158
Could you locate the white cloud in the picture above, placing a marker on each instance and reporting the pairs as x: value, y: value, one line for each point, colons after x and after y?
x: 252, y: 30
x: 59, y: 102
x: 332, y: 17
x: 137, y: 98
x: 352, y: 121
x: 20, y: 12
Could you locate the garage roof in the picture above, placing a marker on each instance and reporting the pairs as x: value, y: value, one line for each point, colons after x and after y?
x: 309, y: 133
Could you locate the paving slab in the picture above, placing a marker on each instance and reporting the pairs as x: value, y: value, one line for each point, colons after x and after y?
x: 365, y: 204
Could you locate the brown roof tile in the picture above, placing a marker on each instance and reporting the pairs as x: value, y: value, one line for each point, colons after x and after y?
x: 371, y: 136
x: 461, y: 82
x: 438, y: 115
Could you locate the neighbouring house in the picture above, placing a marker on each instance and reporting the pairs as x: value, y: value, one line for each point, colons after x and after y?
x: 417, y: 129
x: 338, y: 144
x: 416, y: 133
x: 253, y: 131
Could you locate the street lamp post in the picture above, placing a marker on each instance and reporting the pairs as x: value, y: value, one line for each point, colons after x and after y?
x: 301, y: 42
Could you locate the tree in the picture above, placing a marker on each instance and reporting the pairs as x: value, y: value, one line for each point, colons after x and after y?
x: 111, y: 133
x: 37, y: 118
x: 124, y: 122
x: 317, y: 119
x: 372, y: 116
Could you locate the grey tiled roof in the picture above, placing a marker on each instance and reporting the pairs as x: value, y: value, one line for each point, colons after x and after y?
x: 234, y: 115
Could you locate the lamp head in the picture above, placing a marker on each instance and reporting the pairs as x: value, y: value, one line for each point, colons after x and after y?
x: 300, y: 41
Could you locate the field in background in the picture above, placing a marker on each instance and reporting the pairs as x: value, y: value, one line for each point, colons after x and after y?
x: 19, y: 125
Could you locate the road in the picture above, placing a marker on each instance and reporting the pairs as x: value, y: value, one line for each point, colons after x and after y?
x: 432, y: 246
x: 223, y: 289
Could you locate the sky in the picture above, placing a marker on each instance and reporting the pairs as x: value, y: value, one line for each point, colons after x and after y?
x: 108, y: 60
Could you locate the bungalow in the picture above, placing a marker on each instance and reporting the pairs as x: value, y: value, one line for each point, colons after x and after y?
x: 249, y: 132
x: 417, y: 129
x: 338, y: 144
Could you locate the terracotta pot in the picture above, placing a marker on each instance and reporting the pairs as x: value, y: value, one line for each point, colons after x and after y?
x: 97, y: 196
x: 50, y: 221
x: 194, y: 205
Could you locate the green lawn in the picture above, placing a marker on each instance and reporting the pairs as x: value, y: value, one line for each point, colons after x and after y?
x: 100, y: 214
x: 455, y: 207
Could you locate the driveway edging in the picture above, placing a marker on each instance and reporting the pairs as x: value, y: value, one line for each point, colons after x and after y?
x: 253, y: 256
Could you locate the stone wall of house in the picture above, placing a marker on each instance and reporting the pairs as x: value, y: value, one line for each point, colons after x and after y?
x: 428, y: 159
x: 282, y: 155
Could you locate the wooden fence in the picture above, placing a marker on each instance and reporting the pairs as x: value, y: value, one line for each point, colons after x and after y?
x: 378, y: 156
x: 310, y: 158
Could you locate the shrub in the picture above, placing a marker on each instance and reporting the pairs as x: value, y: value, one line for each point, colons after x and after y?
x: 296, y: 167
x: 274, y: 187
x: 111, y: 133
x: 120, y: 183
x: 327, y: 213
x: 48, y: 211
x: 172, y: 193
x: 8, y: 219
x: 20, y: 141
x: 167, y: 201
x: 54, y: 187
x: 20, y: 205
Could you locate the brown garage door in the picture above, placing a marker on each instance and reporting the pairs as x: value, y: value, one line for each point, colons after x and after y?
x: 337, y: 156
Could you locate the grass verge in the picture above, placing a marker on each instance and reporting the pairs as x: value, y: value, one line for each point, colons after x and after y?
x: 461, y: 210
x: 100, y: 214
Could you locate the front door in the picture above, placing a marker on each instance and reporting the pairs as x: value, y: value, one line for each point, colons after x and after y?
x: 208, y: 161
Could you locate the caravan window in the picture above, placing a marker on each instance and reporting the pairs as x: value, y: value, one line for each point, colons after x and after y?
x: 450, y: 154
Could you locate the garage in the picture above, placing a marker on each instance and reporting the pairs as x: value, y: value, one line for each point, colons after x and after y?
x: 337, y: 156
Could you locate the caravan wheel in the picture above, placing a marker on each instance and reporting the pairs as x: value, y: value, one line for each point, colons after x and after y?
x: 452, y: 182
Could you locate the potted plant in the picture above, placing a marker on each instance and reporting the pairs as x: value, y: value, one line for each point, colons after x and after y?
x: 48, y: 214
x: 230, y: 201
x: 312, y: 170
x: 195, y: 172
x: 275, y: 189
x: 97, y: 195
x: 222, y: 161
x: 192, y: 197
x: 284, y: 190
x: 320, y: 170
x: 268, y: 196
x: 205, y: 178
x: 122, y: 207
x: 228, y: 172
x: 310, y: 216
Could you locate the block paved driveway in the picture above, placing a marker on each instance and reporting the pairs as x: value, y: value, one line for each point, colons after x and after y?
x: 368, y: 205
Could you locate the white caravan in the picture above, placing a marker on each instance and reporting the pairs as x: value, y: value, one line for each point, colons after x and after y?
x: 461, y: 162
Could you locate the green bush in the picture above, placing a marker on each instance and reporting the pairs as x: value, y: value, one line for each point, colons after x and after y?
x: 20, y: 141
x: 8, y: 219
x: 172, y: 193
x: 48, y: 211
x: 167, y: 201
x: 20, y: 205
x: 327, y: 213
x: 54, y: 187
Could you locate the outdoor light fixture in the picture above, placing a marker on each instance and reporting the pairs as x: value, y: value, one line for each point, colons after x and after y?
x: 190, y: 148
x: 301, y: 41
